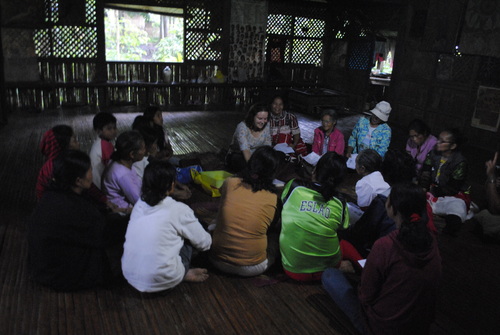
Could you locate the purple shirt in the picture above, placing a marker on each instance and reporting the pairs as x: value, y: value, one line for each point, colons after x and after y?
x: 121, y: 185
x: 419, y: 154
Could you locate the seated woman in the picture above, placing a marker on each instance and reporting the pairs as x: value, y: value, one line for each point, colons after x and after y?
x: 54, y: 141
x: 373, y: 133
x: 312, y: 213
x: 368, y: 164
x: 120, y: 182
x: 327, y: 137
x: 66, y: 232
x: 489, y: 218
x: 243, y: 243
x: 161, y: 235
x: 399, y: 283
x: 285, y: 127
x: 250, y: 134
x: 444, y: 176
x: 420, y: 142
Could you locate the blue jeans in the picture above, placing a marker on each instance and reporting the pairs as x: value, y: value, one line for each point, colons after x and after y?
x: 186, y: 253
x: 344, y: 295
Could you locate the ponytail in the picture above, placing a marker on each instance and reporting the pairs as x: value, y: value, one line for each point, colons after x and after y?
x: 410, y: 202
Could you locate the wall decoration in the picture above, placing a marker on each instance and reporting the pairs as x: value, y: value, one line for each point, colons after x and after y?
x: 481, y: 29
x: 487, y: 112
x: 247, y: 40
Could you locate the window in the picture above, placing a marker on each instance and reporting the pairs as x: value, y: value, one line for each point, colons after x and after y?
x: 301, y: 39
x: 133, y: 35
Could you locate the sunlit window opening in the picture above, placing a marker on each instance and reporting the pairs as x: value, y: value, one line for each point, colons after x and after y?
x: 142, y: 36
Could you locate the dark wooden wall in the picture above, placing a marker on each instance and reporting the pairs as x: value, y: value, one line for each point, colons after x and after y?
x: 434, y: 81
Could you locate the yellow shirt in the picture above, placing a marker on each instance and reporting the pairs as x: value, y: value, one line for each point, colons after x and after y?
x: 240, y: 236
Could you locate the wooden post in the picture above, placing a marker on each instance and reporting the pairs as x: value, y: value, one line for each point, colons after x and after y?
x: 3, y: 92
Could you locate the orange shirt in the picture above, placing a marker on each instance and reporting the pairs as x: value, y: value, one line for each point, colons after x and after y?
x: 240, y: 236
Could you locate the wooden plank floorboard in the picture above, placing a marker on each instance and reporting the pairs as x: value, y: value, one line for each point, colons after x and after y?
x: 467, y: 301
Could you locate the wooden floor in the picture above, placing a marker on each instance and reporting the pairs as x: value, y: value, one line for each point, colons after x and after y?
x: 468, y: 302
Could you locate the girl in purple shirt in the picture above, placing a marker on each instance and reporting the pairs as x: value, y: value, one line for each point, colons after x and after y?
x: 120, y: 182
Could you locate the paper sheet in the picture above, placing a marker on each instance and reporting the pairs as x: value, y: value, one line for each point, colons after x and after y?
x: 354, y: 212
x: 312, y: 158
x: 283, y: 147
x: 351, y: 162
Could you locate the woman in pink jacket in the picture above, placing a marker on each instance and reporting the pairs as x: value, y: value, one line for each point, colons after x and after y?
x: 327, y: 137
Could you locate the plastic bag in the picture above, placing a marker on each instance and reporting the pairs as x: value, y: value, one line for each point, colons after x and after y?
x: 184, y: 174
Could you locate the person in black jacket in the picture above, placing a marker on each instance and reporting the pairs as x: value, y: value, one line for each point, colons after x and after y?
x: 66, y: 232
x: 444, y: 175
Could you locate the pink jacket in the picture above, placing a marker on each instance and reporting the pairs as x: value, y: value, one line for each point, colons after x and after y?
x: 336, y: 143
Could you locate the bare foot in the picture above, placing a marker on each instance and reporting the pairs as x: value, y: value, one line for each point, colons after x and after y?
x: 196, y: 275
x: 346, y: 266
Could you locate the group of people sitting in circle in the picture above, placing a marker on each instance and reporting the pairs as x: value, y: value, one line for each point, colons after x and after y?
x: 126, y: 196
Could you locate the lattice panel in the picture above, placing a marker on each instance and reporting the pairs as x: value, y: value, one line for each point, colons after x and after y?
x: 198, y: 46
x: 51, y: 11
x: 170, y: 3
x: 307, y: 51
x: 295, y: 8
x: 279, y: 24
x: 197, y: 18
x: 361, y: 56
x: 305, y: 27
x: 68, y: 42
x: 41, y: 38
x: 90, y: 12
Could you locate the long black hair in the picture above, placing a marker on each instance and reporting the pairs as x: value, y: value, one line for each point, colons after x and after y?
x: 69, y: 166
x: 157, y: 180
x: 410, y: 202
x: 370, y: 160
x: 261, y: 169
x: 128, y: 142
x: 329, y: 173
x: 420, y: 127
x: 63, y: 134
x: 398, y: 167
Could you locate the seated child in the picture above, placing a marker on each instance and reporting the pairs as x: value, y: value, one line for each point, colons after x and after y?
x: 327, y: 137
x: 248, y: 209
x: 150, y: 135
x: 120, y: 182
x: 368, y: 163
x: 153, y: 114
x: 161, y: 235
x: 102, y: 148
x: 151, y: 142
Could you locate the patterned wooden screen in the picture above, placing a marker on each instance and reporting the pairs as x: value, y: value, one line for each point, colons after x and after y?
x: 360, y: 56
x: 66, y: 41
x: 203, y: 24
x: 304, y: 37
